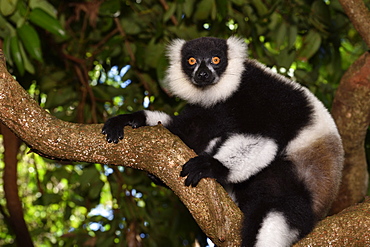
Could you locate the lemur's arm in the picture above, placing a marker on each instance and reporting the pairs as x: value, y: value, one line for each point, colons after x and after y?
x: 113, y: 127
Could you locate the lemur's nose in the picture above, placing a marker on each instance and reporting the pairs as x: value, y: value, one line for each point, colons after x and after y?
x: 203, y: 75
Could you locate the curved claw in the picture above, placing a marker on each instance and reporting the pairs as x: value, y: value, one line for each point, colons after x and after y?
x: 203, y: 166
x: 113, y: 127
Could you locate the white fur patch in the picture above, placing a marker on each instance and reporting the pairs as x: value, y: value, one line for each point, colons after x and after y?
x: 322, y: 125
x: 229, y: 81
x: 276, y: 232
x: 246, y: 155
x: 153, y: 117
x: 212, y: 144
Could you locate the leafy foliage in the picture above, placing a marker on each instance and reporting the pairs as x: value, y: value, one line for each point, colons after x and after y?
x: 86, y: 60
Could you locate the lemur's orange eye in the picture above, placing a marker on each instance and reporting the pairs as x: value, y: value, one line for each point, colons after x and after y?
x: 216, y: 60
x: 192, y: 61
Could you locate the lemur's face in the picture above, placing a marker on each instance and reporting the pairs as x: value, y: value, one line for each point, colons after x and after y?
x: 204, y: 60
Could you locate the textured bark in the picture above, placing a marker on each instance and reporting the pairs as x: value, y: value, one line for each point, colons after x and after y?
x: 13, y: 202
x: 359, y: 15
x: 348, y: 228
x: 351, y: 111
x: 153, y: 149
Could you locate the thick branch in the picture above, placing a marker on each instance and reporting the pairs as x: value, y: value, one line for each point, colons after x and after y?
x: 348, y: 228
x: 13, y: 202
x: 359, y: 15
x: 151, y: 149
x: 155, y: 150
x: 351, y: 111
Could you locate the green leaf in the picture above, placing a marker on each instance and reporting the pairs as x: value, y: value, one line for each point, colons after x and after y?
x: 161, y: 67
x: 50, y: 81
x: 60, y: 97
x: 292, y: 32
x: 6, y: 48
x: 281, y: 34
x: 167, y: 15
x: 45, y: 6
x: 95, y: 189
x: 27, y: 63
x: 110, y: 8
x: 16, y: 54
x: 31, y: 41
x: 261, y: 7
x: 130, y: 26
x: 42, y: 19
x: 188, y: 7
x: 90, y: 173
x: 222, y: 7
x: 153, y: 52
x: 311, y: 44
x: 238, y: 2
x: 204, y: 9
x: 321, y: 12
x: 285, y: 58
x: 7, y: 7
x: 49, y: 198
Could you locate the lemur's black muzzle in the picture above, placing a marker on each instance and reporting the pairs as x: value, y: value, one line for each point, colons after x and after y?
x: 203, y: 76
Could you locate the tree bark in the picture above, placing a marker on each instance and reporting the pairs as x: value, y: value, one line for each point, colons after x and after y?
x: 153, y: 149
x: 347, y: 228
x: 359, y: 15
x: 351, y: 111
x: 13, y: 202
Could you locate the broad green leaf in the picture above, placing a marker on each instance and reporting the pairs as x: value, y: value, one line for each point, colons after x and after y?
x: 188, y: 6
x: 286, y: 58
x: 31, y: 41
x: 261, y: 7
x: 203, y: 9
x: 130, y: 26
x: 153, y: 52
x: 238, y: 2
x: 16, y: 54
x: 6, y: 48
x: 42, y: 19
x: 320, y: 11
x: 26, y: 61
x: 110, y: 8
x: 7, y: 7
x: 60, y: 97
x: 50, y: 198
x: 222, y: 7
x: 96, y: 187
x: 50, y: 81
x: 171, y: 10
x: 281, y: 34
x: 311, y: 43
x: 45, y: 6
x: 292, y: 35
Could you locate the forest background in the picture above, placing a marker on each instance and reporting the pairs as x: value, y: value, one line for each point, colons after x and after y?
x: 84, y: 61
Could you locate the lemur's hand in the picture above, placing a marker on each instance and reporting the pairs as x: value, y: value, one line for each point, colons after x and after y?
x: 113, y: 127
x: 203, y: 166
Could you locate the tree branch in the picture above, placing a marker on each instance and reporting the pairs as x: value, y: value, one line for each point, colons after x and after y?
x: 348, y: 228
x: 359, y: 15
x: 13, y: 202
x: 153, y: 149
x: 157, y: 151
x: 351, y: 111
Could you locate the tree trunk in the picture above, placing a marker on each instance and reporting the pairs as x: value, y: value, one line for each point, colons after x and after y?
x: 351, y: 111
x: 153, y: 149
x: 13, y: 202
